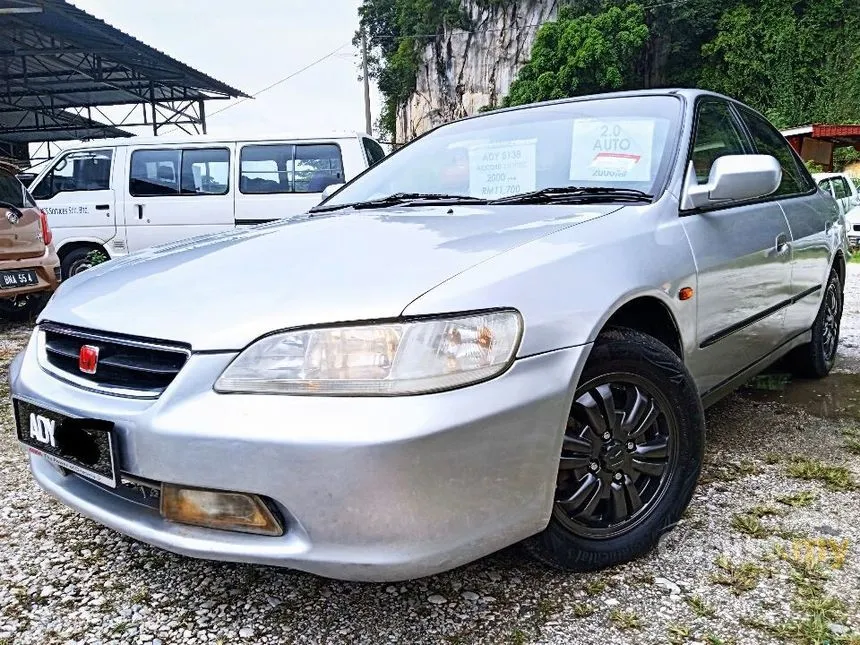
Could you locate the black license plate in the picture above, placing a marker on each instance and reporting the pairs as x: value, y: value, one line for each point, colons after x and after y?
x: 17, y: 279
x: 84, y: 446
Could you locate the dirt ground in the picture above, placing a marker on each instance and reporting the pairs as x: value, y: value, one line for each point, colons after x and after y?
x: 769, y: 552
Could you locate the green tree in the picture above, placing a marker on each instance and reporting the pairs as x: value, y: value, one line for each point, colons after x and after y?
x: 582, y: 53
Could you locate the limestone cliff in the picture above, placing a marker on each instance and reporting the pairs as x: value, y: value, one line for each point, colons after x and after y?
x: 463, y: 71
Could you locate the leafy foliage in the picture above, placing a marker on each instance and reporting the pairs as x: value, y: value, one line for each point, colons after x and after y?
x: 581, y: 54
x: 796, y: 61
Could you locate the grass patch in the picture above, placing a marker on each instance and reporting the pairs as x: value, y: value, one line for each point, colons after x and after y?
x: 518, y: 637
x: 625, y: 619
x: 595, y: 587
x: 729, y: 472
x: 740, y: 577
x: 749, y: 525
x: 140, y: 596
x: 765, y: 510
x: 583, y: 610
x: 835, y: 478
x: 699, y: 607
x: 713, y: 639
x: 678, y: 633
x: 798, y: 500
x: 852, y: 445
x: 808, y: 555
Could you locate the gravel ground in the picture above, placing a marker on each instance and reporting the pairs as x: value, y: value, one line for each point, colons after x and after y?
x: 762, y: 556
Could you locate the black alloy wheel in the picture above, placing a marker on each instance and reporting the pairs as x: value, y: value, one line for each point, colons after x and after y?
x: 619, y: 451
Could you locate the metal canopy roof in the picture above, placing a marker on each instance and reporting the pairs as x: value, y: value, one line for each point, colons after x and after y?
x: 59, y: 64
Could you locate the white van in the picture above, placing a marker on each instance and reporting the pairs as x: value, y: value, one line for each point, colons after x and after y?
x: 116, y: 196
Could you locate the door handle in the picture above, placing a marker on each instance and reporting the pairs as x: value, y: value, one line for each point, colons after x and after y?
x: 782, y: 244
x: 139, y: 211
x: 102, y: 207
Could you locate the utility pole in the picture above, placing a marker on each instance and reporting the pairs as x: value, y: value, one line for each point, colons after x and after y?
x: 367, y: 125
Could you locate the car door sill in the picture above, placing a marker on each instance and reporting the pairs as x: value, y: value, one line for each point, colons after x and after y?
x: 734, y: 382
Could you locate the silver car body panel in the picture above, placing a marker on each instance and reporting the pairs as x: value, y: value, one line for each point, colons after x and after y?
x: 398, y: 487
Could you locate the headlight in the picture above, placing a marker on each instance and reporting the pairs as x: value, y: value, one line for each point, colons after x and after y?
x: 385, y: 359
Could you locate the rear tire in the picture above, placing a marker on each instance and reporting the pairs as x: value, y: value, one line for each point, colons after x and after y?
x: 816, y: 358
x: 631, y: 456
x: 76, y: 261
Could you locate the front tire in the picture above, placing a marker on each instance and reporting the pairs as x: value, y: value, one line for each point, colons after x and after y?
x: 816, y: 358
x: 631, y: 455
x: 76, y: 261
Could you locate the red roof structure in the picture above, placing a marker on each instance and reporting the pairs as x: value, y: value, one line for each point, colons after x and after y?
x: 817, y: 142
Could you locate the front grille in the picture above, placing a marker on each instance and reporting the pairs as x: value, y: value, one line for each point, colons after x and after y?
x: 127, y: 366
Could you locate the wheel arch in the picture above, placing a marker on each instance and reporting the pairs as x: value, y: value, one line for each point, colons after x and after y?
x: 839, y: 265
x: 650, y: 315
x: 72, y: 245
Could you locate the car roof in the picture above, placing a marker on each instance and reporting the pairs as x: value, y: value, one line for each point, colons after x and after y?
x: 203, y: 138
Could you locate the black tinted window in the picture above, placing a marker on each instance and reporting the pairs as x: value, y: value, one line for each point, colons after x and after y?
x: 840, y: 188
x: 205, y: 171
x: 13, y: 192
x: 195, y: 171
x: 768, y: 141
x: 374, y: 151
x: 77, y: 171
x: 316, y: 167
x: 266, y: 169
x: 717, y: 135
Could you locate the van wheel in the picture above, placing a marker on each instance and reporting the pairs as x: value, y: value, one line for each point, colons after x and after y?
x: 630, y: 458
x: 76, y: 261
x: 816, y: 358
x: 22, y: 308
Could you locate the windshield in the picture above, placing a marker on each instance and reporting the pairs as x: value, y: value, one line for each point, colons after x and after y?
x: 616, y: 143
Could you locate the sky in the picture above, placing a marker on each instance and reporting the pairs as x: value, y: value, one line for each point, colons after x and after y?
x: 252, y: 44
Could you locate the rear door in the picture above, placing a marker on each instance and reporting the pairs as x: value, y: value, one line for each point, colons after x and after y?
x: 278, y: 180
x: 20, y: 230
x: 176, y: 193
x: 77, y: 193
x: 743, y: 260
x: 810, y: 217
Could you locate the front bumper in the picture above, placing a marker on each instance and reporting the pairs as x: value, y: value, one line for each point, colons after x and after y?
x: 370, y: 488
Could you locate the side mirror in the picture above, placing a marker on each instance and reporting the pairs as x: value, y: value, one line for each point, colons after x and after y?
x: 330, y: 190
x: 733, y: 178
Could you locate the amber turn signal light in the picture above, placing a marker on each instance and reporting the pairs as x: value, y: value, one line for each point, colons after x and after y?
x: 685, y: 293
x: 218, y: 510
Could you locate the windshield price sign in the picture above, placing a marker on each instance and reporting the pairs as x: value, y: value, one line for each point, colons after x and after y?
x: 612, y: 150
x: 502, y: 169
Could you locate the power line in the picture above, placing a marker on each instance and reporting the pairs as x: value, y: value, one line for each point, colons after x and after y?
x: 275, y: 84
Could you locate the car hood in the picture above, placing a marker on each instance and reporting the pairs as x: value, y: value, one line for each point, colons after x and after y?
x: 221, y: 292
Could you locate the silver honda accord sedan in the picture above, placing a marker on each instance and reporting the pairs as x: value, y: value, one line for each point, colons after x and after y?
x: 506, y: 331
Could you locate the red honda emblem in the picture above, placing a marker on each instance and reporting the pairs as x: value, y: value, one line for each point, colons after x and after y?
x: 88, y: 359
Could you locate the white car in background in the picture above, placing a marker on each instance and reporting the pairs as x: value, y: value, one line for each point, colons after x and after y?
x: 842, y: 187
x: 118, y: 196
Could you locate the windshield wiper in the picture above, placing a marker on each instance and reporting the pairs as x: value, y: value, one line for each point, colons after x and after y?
x: 408, y: 199
x: 565, y: 194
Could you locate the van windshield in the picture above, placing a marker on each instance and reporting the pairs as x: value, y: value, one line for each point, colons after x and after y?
x: 624, y: 143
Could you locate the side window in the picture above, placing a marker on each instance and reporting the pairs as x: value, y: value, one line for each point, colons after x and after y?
x: 154, y: 173
x: 825, y: 185
x: 717, y: 135
x: 76, y: 171
x: 205, y: 171
x: 373, y: 150
x: 840, y: 188
x: 768, y: 141
x: 316, y: 167
x: 266, y: 169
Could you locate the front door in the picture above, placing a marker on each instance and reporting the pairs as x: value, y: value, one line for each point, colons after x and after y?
x: 77, y: 193
x: 176, y: 193
x: 743, y: 257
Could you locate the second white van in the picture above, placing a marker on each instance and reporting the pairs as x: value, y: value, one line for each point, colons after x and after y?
x: 122, y: 195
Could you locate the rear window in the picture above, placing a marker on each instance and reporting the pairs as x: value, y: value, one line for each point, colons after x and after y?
x: 12, y: 192
x: 374, y: 151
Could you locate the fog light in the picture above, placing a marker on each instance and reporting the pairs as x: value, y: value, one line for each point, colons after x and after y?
x: 218, y: 510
